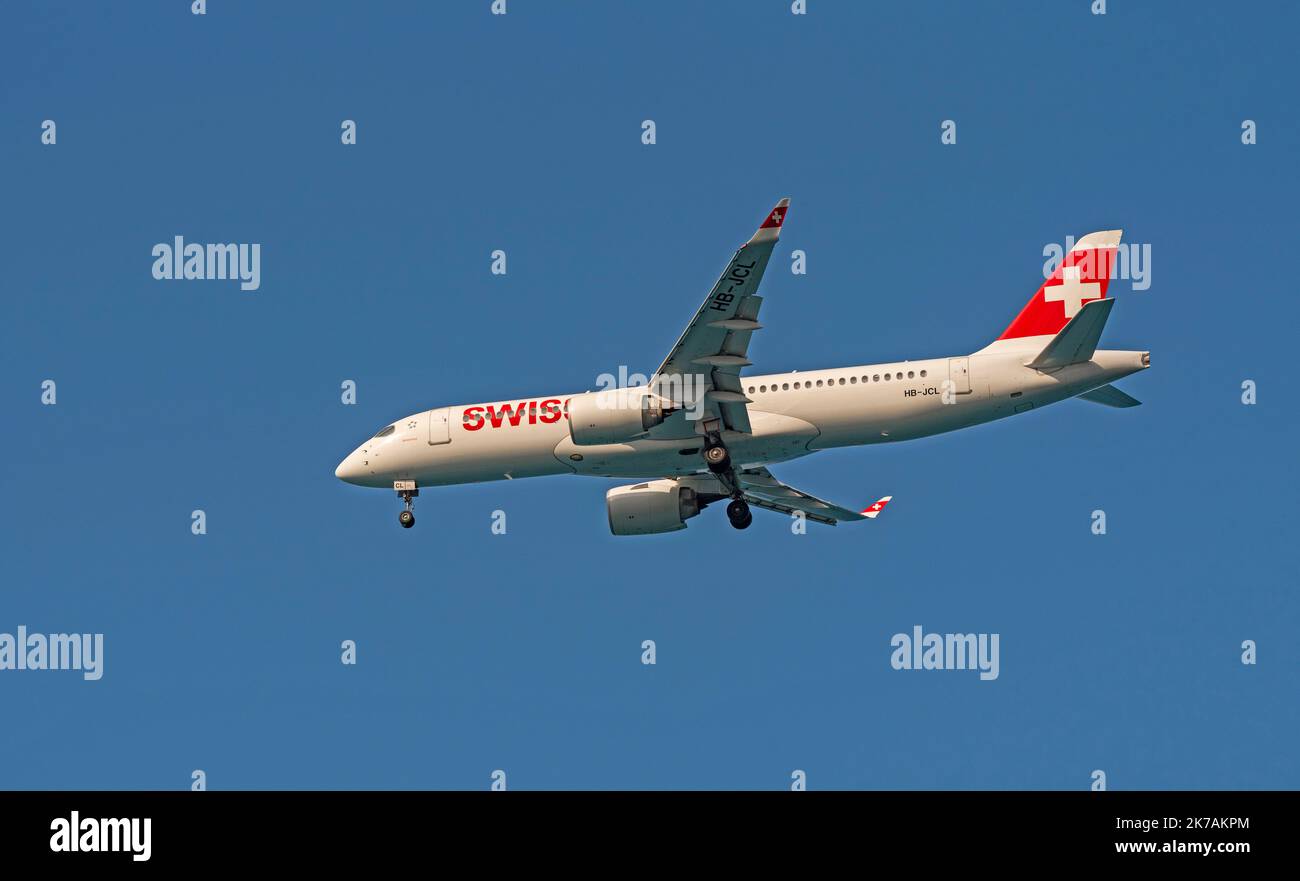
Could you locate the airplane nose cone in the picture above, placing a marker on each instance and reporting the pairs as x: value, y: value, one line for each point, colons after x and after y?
x: 349, y: 469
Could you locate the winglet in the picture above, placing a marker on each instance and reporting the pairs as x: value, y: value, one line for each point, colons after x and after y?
x: 770, y: 231
x: 873, y: 511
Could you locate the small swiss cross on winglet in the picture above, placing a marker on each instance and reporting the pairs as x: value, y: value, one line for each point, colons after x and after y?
x: 777, y: 217
x: 772, y: 224
x: 873, y: 511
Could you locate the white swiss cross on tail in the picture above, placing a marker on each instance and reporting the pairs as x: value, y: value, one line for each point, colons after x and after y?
x: 1072, y: 292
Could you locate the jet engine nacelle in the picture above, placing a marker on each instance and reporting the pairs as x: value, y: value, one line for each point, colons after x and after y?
x: 614, y: 416
x: 647, y: 508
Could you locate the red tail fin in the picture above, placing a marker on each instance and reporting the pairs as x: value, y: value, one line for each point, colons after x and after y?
x: 1083, y: 276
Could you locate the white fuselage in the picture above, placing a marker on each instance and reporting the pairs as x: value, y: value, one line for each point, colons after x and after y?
x: 791, y: 415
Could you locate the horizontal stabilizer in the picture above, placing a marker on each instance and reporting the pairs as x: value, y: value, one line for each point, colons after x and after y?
x: 1110, y: 397
x: 1077, y: 340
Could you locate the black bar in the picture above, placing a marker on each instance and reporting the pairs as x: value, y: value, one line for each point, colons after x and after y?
x: 337, y: 829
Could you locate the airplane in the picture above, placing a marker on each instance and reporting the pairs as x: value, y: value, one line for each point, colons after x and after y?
x: 704, y: 433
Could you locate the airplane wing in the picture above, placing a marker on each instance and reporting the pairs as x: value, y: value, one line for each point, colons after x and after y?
x: 761, y: 488
x: 707, y: 359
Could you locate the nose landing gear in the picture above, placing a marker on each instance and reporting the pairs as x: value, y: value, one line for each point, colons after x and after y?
x: 408, y: 491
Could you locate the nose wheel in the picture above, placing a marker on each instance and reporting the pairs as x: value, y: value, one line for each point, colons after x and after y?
x: 407, y: 490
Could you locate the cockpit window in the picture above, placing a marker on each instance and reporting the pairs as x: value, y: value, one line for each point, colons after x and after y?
x: 385, y: 432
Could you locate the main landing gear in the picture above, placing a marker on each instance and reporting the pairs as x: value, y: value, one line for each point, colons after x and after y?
x: 718, y: 461
x: 408, y: 491
x: 739, y: 514
x: 717, y: 458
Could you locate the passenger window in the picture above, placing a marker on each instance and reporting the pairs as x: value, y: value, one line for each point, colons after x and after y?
x: 785, y: 386
x: 923, y: 374
x: 910, y: 375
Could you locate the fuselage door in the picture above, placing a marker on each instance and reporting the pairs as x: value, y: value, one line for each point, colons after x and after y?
x: 439, y: 431
x: 959, y: 374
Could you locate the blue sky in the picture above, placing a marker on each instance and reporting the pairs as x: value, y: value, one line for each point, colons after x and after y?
x: 521, y: 652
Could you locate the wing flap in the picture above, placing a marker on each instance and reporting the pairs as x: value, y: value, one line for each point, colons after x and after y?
x: 762, y: 488
x: 790, y: 509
